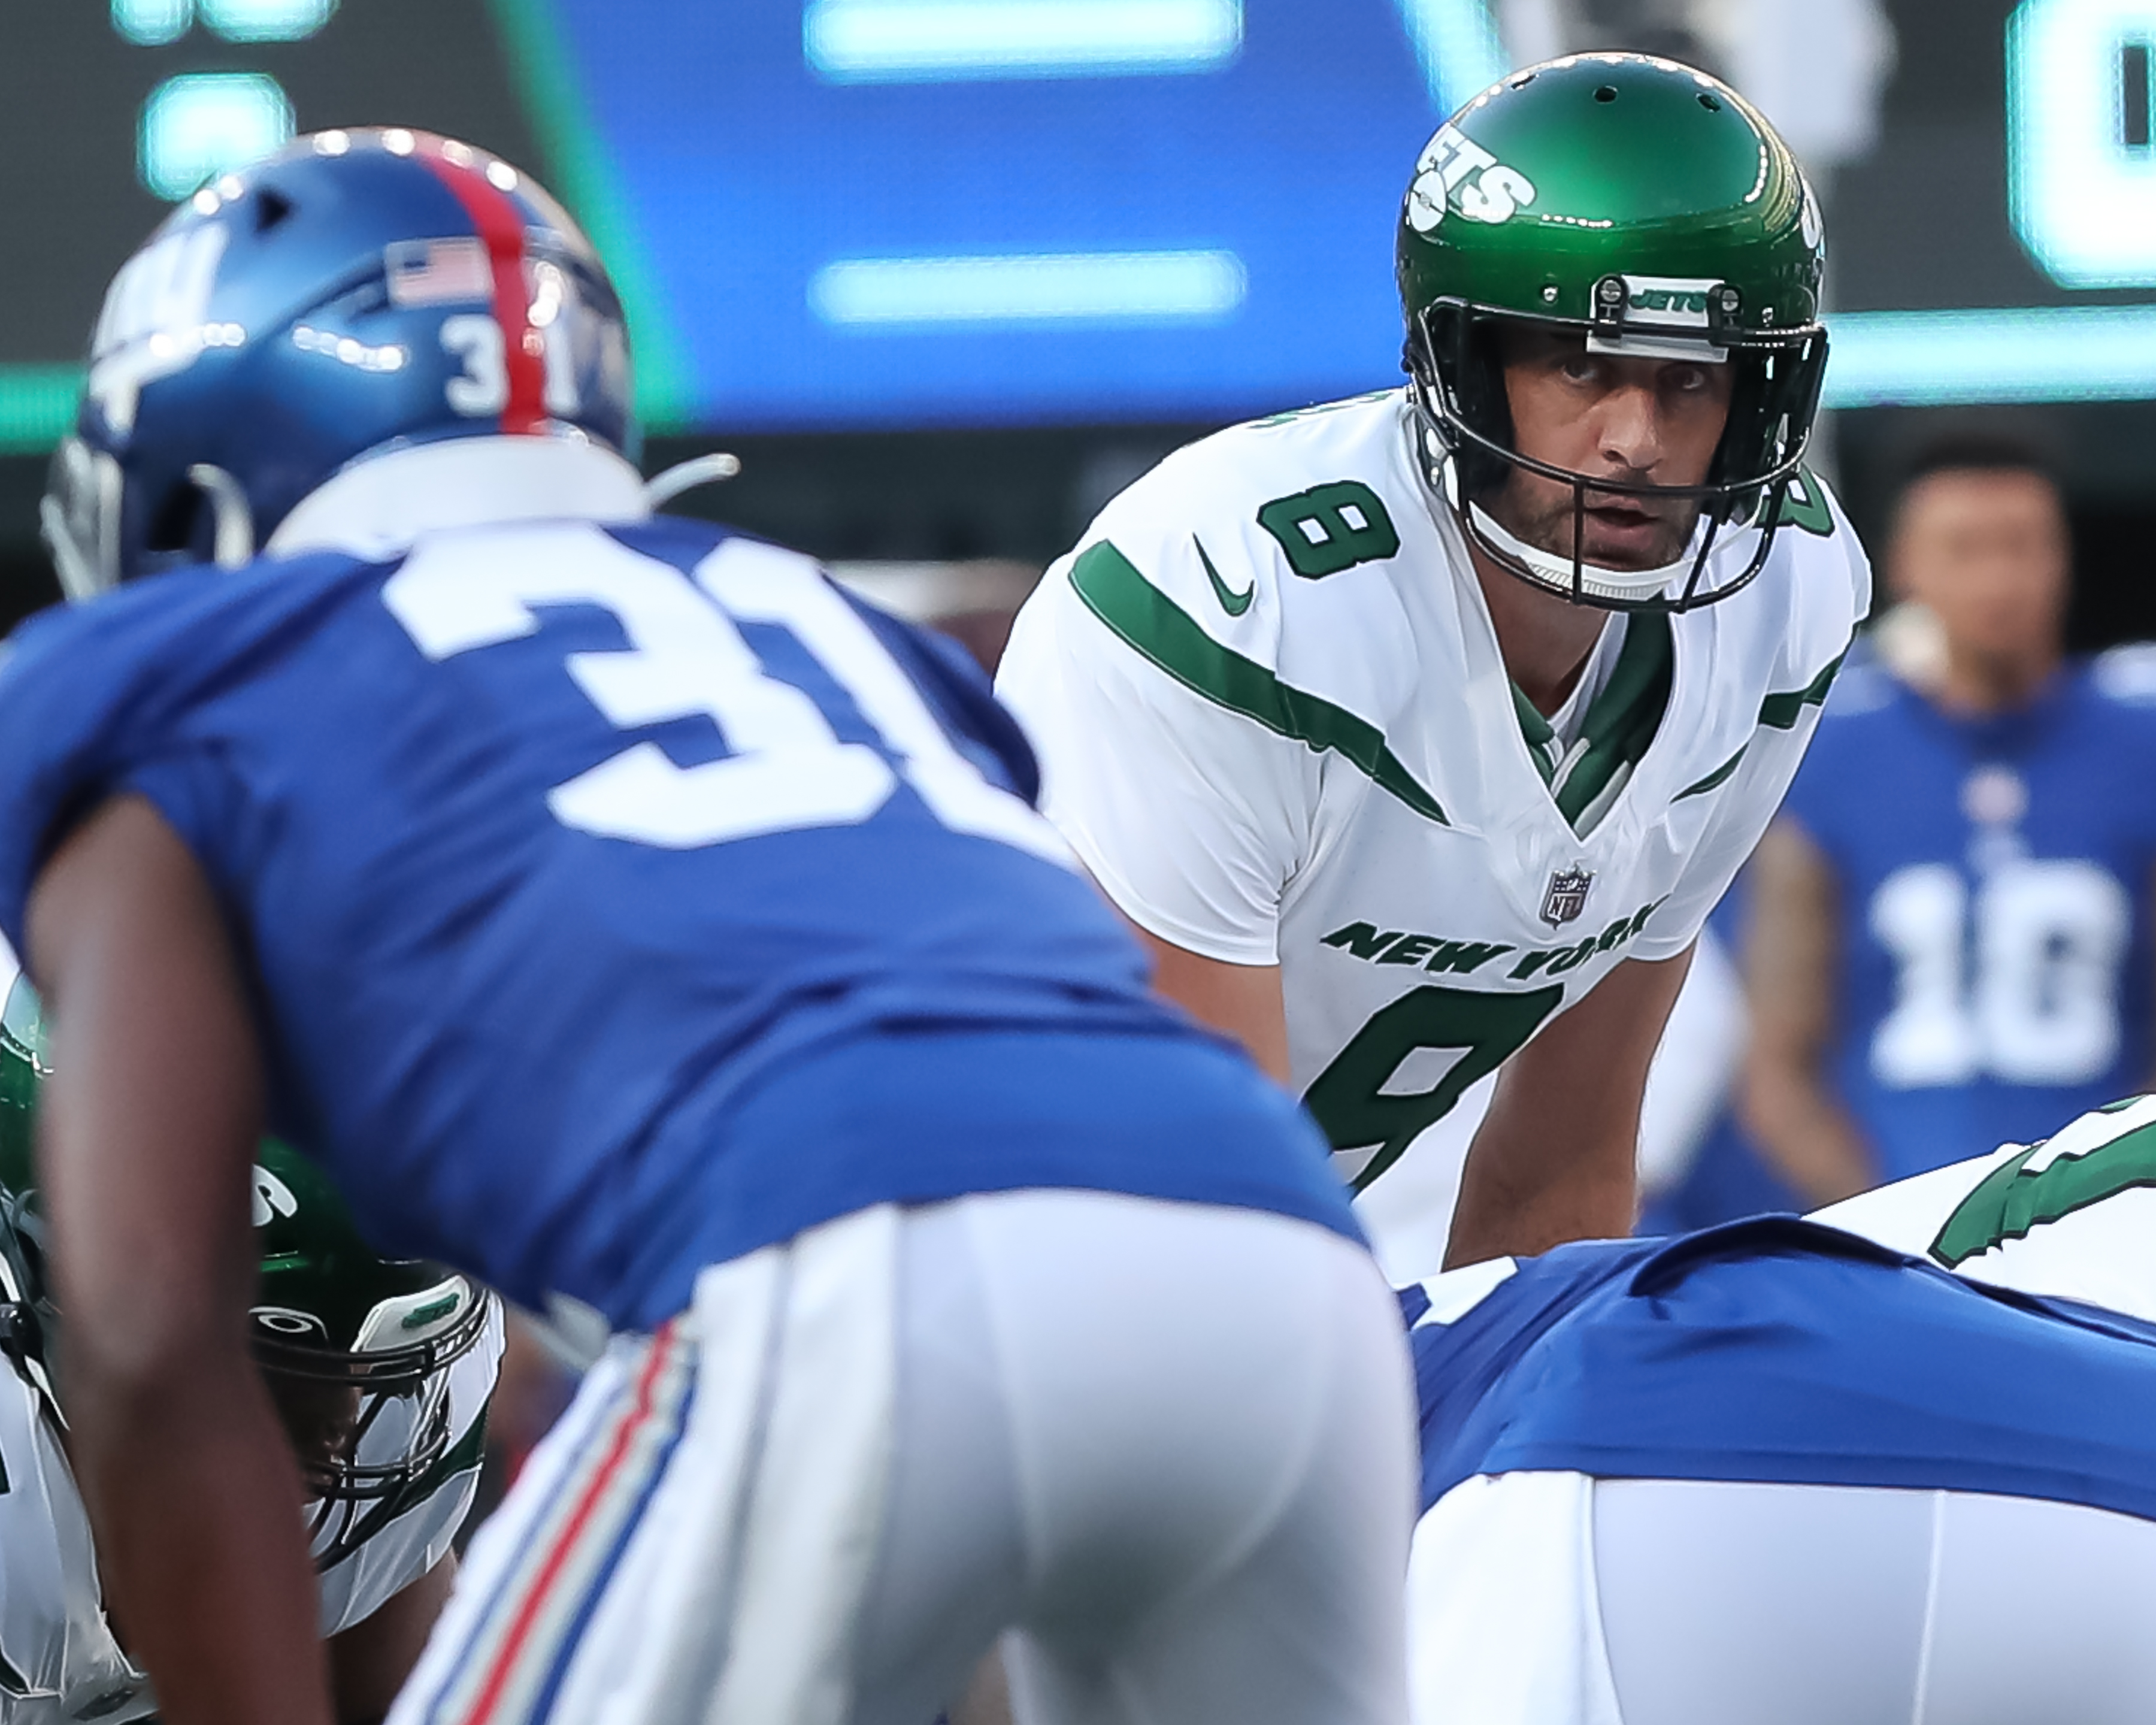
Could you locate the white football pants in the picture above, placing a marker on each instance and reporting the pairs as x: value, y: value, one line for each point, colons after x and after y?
x: 1552, y: 1599
x: 1170, y: 1446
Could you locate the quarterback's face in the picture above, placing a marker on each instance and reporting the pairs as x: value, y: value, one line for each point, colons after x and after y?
x: 1653, y: 422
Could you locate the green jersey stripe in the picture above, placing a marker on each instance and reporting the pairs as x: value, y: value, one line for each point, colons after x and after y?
x: 2011, y: 1202
x: 1713, y: 778
x: 1624, y: 716
x: 1781, y: 711
x: 1150, y: 622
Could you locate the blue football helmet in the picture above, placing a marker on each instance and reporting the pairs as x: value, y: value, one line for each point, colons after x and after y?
x: 357, y: 292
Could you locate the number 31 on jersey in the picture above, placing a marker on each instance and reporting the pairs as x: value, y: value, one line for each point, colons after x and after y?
x: 787, y: 768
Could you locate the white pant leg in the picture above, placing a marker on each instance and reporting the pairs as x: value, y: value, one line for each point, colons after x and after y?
x: 952, y: 1558
x: 689, y: 1544
x: 1776, y: 1604
x: 1201, y: 1511
x: 1502, y: 1623
x: 2042, y: 1612
x: 1172, y: 1443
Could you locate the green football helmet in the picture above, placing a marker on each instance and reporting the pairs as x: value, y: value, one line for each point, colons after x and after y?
x: 1652, y: 211
x: 354, y: 1349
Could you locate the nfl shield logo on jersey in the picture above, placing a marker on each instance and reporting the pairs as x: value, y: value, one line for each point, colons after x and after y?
x: 1567, y: 896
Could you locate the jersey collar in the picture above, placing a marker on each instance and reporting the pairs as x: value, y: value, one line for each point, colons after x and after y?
x: 380, y: 504
x: 1621, y: 721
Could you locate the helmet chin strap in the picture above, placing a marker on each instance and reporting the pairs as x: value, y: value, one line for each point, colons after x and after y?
x: 1595, y: 580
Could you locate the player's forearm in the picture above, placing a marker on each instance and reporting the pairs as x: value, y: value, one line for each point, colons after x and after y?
x: 197, y: 1506
x: 370, y: 1661
x: 1502, y: 1214
x: 145, y: 1141
x: 1243, y: 1001
x: 1792, y: 946
x: 1557, y: 1157
x: 1801, y: 1130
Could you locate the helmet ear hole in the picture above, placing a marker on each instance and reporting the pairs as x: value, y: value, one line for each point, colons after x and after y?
x: 1465, y: 356
x: 271, y: 207
x: 177, y: 520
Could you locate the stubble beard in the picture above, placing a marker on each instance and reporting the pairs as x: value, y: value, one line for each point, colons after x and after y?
x: 1539, y: 512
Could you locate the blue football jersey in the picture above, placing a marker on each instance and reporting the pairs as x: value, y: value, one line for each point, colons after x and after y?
x: 623, y: 899
x: 1993, y: 878
x: 1777, y: 1350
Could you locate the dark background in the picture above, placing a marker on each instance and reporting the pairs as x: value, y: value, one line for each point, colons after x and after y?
x: 1921, y: 222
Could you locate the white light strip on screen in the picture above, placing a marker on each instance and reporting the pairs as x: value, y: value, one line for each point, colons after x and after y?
x: 266, y: 20
x: 199, y: 124
x: 1086, y: 287
x: 2020, y: 354
x: 152, y: 23
x: 1457, y: 43
x: 933, y: 41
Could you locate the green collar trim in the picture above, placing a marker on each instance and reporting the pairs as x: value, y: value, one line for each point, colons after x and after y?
x: 1148, y: 621
x: 1620, y: 721
x: 1623, y: 720
x: 1540, y: 733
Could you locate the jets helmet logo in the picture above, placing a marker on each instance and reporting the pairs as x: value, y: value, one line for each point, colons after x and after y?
x: 1567, y: 896
x: 273, y: 1198
x: 1455, y: 172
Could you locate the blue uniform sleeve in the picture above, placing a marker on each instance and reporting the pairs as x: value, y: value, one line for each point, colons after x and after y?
x: 60, y: 715
x: 2124, y: 680
x: 1825, y: 797
x: 94, y: 702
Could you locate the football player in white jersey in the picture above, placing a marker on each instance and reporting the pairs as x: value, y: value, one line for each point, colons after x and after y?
x: 1419, y: 732
x: 382, y: 1371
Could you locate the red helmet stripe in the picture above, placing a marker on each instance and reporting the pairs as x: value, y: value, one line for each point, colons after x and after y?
x: 500, y: 226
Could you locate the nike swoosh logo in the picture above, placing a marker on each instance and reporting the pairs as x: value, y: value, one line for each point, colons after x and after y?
x: 1233, y: 602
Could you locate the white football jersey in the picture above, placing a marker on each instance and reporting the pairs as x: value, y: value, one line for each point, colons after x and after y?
x: 1274, y: 723
x: 59, y: 1660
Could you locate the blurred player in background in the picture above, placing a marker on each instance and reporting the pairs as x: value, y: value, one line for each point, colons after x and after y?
x: 1418, y: 733
x: 381, y: 1372
x: 1896, y: 1462
x: 1949, y: 930
x: 618, y: 911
